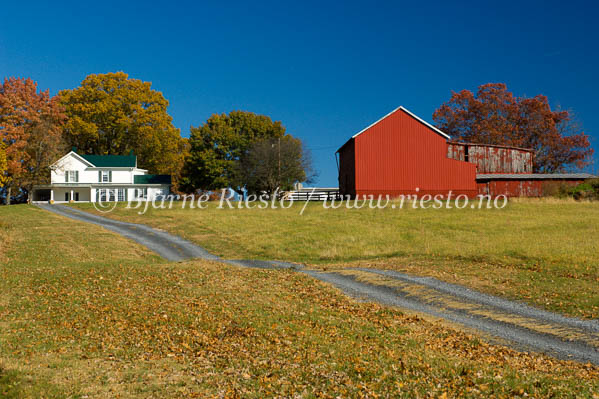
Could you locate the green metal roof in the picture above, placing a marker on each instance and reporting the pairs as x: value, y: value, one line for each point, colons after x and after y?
x: 152, y: 179
x: 111, y: 161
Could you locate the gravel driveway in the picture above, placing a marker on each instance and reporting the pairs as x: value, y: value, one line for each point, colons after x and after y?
x: 513, y: 323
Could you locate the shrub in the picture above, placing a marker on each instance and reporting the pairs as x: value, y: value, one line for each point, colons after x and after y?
x: 587, y: 190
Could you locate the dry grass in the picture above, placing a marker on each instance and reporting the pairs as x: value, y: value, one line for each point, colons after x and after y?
x: 542, y: 251
x: 120, y: 323
x: 5, y: 240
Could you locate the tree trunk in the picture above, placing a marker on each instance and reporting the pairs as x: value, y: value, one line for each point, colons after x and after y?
x: 8, y: 192
x: 28, y: 189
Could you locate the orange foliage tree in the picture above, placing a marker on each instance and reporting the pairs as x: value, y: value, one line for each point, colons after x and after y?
x: 31, y: 132
x: 495, y: 116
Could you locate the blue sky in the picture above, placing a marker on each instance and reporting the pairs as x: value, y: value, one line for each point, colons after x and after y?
x: 325, y: 70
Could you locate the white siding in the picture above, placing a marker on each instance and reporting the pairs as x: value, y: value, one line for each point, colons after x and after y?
x: 118, y: 176
x: 122, y: 178
x: 90, y: 175
x: 84, y: 194
x: 152, y: 192
x: 57, y: 174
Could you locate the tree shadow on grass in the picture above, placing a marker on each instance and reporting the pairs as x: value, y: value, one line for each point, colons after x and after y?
x: 14, y: 385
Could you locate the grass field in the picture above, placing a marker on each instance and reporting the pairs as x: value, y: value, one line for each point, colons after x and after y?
x: 545, y: 252
x: 85, y: 313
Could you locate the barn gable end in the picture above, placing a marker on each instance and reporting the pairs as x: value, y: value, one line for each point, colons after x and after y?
x: 402, y: 154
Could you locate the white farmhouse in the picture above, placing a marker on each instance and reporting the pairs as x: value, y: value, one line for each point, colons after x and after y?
x: 92, y: 178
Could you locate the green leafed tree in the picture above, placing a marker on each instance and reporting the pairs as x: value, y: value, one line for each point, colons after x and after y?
x: 217, y: 146
x: 111, y: 114
x: 275, y: 163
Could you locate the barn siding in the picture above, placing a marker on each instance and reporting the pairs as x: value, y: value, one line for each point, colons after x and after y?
x: 492, y: 159
x: 399, y: 154
x: 522, y: 188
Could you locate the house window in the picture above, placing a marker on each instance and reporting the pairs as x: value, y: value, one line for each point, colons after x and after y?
x: 141, y: 192
x: 105, y: 176
x: 107, y: 195
x: 71, y: 176
x: 121, y: 194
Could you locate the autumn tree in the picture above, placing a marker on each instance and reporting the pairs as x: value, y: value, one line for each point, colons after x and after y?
x: 274, y: 163
x: 111, y: 114
x: 31, y: 132
x: 217, y: 145
x: 495, y: 116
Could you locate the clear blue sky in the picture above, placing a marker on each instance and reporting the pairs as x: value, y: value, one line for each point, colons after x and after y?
x: 325, y: 70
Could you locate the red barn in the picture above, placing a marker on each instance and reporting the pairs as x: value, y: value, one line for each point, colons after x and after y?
x: 401, y: 154
x: 490, y: 158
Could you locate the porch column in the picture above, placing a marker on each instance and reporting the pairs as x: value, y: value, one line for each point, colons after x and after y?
x: 51, y: 195
x: 71, y: 197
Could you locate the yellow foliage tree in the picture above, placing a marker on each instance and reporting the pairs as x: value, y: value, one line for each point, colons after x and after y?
x: 111, y: 114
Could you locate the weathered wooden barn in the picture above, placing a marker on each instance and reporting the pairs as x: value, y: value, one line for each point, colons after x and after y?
x: 401, y: 154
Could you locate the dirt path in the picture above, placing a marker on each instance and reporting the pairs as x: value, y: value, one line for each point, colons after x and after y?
x: 520, y: 326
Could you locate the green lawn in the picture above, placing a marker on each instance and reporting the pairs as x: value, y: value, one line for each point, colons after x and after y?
x: 86, y: 313
x: 545, y: 252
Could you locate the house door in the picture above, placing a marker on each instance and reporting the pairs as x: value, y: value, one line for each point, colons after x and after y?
x: 77, y: 196
x: 67, y: 197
